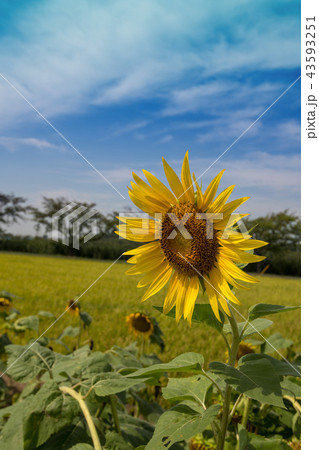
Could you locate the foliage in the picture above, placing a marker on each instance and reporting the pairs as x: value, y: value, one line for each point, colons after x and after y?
x: 283, y: 233
x: 87, y: 399
x: 12, y: 209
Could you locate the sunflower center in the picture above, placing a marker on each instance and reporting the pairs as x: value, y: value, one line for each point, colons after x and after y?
x: 188, y: 241
x: 141, y: 323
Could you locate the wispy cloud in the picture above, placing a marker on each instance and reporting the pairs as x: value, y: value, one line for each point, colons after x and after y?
x: 13, y: 144
x: 136, y: 50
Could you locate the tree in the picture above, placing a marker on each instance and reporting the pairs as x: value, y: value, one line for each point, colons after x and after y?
x: 12, y: 209
x: 281, y: 230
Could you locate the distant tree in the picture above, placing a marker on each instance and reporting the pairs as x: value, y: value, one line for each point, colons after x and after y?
x: 281, y: 230
x: 50, y: 206
x: 12, y: 209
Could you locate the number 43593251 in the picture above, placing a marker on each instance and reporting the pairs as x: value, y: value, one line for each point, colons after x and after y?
x: 310, y: 48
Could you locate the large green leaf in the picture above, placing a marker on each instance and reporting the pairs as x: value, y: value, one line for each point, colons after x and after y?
x: 190, y: 388
x: 27, y: 362
x: 262, y: 443
x: 26, y: 323
x: 281, y: 368
x: 275, y: 342
x: 48, y: 412
x: 255, y: 326
x: 113, y: 441
x: 11, y: 436
x: 257, y: 379
x: 203, y: 313
x: 187, y: 362
x: 135, y: 431
x: 115, y: 383
x: 151, y: 411
x: 265, y: 309
x: 69, y: 437
x: 291, y: 388
x: 178, y: 424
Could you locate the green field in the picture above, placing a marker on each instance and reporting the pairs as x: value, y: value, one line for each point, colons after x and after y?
x: 47, y: 283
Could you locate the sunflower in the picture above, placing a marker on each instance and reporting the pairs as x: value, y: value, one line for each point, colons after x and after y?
x: 244, y: 349
x: 184, y: 248
x: 140, y: 324
x: 5, y: 303
x: 73, y: 307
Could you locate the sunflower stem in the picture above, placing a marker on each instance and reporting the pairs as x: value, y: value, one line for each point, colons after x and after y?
x: 246, y: 411
x: 227, y: 395
x: 114, y: 414
x: 86, y: 413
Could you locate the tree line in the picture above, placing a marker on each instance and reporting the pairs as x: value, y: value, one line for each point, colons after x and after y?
x: 281, y: 230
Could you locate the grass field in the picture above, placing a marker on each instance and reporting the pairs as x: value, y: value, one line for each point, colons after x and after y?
x: 47, y: 283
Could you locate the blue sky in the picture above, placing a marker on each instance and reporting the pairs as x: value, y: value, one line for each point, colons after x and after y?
x: 129, y: 82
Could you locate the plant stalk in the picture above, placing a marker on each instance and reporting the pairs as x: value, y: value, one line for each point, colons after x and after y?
x: 227, y: 396
x: 246, y: 411
x: 86, y: 413
x: 114, y: 414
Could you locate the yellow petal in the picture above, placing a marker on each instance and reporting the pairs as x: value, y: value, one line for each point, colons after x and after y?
x: 212, y: 297
x: 211, y: 190
x: 160, y: 187
x: 180, y: 298
x: 143, y: 248
x: 233, y: 205
x: 145, y: 189
x: 236, y: 272
x: 187, y: 183
x: 199, y: 194
x: 191, y: 296
x: 158, y: 283
x: 240, y: 256
x: 150, y: 276
x: 170, y: 298
x: 173, y: 180
x: 222, y: 198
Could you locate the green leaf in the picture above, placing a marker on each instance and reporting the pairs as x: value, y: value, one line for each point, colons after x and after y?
x: 203, y: 313
x: 275, y: 342
x: 290, y: 388
x: 82, y: 447
x: 178, y: 424
x: 68, y: 437
x: 113, y: 441
x: 244, y: 440
x: 151, y: 411
x: 135, y: 431
x: 257, y: 379
x: 86, y: 318
x: 255, y: 326
x: 27, y: 362
x: 114, y: 383
x: 187, y: 362
x: 46, y: 314
x: 69, y: 331
x: 191, y: 388
x: 281, y: 368
x: 262, y: 443
x: 11, y: 436
x: 26, y: 323
x: 265, y: 309
x: 49, y: 411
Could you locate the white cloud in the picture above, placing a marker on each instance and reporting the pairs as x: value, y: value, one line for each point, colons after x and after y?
x: 67, y: 56
x: 13, y: 144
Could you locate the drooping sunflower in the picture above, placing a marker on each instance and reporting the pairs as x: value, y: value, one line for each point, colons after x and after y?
x: 140, y: 324
x: 244, y: 349
x: 73, y: 308
x: 184, y: 248
x: 5, y: 303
